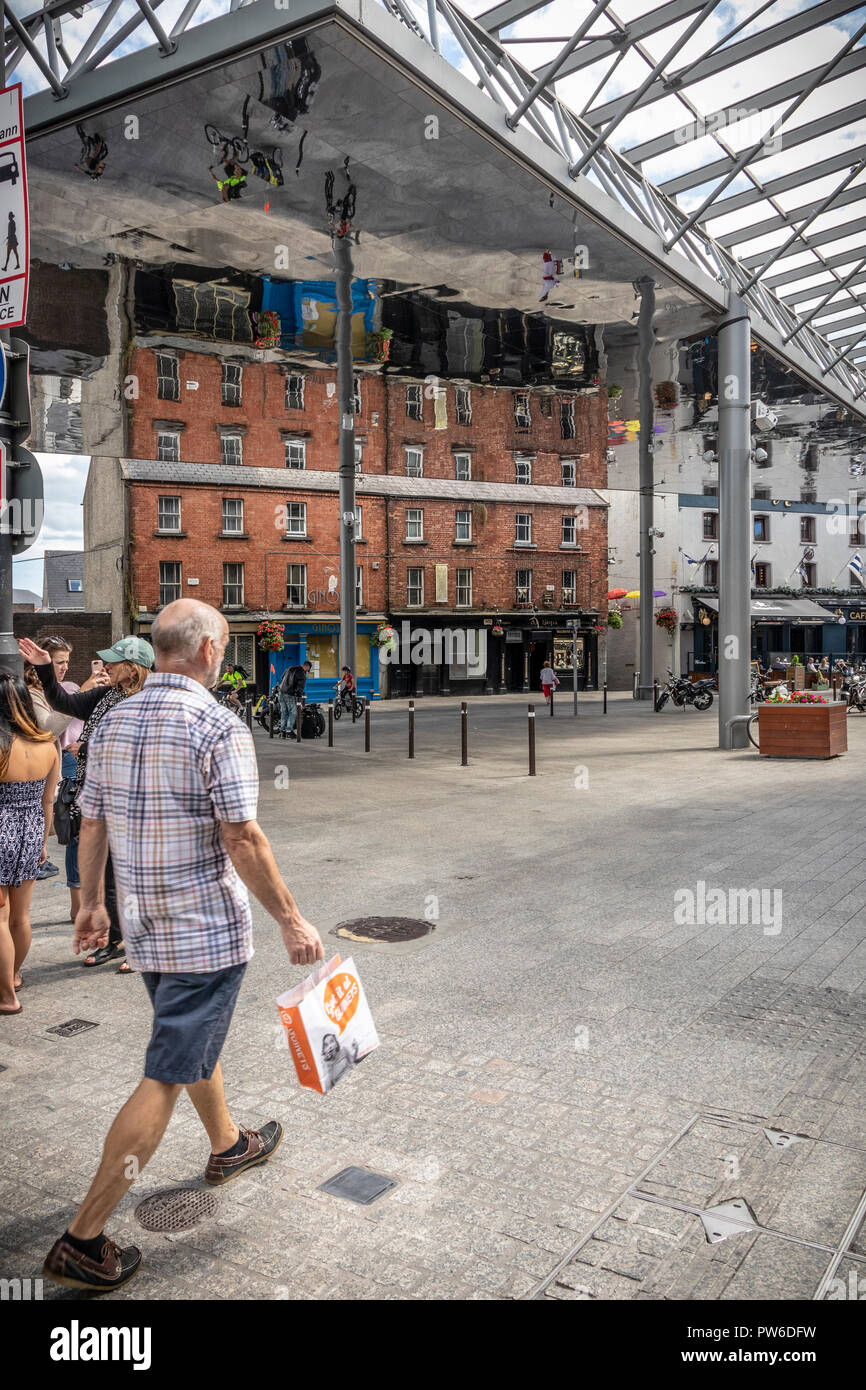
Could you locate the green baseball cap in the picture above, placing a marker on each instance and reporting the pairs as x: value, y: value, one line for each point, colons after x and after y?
x: 129, y: 649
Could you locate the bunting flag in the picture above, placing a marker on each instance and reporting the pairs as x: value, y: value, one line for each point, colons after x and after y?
x: 273, y: 669
x: 855, y: 564
x: 752, y: 564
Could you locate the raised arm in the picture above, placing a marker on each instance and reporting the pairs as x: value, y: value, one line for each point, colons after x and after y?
x: 80, y: 705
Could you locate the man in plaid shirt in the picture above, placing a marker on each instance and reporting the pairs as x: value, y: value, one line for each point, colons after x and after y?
x: 172, y: 785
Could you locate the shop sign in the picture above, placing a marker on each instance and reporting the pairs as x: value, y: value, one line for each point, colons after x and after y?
x: 514, y: 634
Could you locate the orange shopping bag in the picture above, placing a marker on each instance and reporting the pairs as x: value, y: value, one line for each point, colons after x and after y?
x: 328, y: 1024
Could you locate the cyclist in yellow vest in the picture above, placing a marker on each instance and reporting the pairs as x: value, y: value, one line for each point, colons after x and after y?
x: 234, y: 677
x: 235, y: 180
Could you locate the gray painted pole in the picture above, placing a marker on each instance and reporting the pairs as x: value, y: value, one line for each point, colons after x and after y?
x: 735, y: 392
x: 646, y: 339
x: 10, y: 658
x: 343, y: 260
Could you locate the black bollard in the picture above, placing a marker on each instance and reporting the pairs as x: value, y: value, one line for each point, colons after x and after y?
x: 270, y: 718
x: 532, y: 740
x: 464, y: 734
x: 248, y: 710
x: 330, y: 723
x: 551, y: 701
x: 604, y: 699
x: 656, y: 695
x: 366, y: 726
x: 411, y: 728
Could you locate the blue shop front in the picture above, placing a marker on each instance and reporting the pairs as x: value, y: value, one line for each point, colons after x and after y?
x: 306, y: 639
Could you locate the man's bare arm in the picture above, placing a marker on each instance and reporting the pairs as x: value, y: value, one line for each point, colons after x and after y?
x: 92, y: 923
x: 248, y: 848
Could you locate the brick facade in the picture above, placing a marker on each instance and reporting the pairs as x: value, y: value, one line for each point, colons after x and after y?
x: 87, y: 633
x: 498, y: 433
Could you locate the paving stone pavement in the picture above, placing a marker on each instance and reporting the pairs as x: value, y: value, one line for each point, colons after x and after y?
x: 540, y: 1051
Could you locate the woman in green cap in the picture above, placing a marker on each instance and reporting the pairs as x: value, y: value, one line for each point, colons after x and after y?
x: 128, y: 664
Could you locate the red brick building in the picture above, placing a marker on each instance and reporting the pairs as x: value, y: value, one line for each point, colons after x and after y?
x: 477, y: 508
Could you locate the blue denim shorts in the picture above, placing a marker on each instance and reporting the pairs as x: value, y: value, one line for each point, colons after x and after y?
x: 191, y: 1017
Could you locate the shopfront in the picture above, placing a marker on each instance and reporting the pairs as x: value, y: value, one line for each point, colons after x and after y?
x: 781, y: 627
x: 319, y: 642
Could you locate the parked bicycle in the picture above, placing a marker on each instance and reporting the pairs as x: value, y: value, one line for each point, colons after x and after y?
x: 230, y: 146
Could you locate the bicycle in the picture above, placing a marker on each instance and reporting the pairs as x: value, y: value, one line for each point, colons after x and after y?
x: 344, y: 702
x: 232, y: 146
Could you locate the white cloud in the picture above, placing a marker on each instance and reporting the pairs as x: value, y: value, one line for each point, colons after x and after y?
x: 64, y: 476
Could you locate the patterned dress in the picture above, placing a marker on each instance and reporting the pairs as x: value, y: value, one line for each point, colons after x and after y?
x: 22, y: 831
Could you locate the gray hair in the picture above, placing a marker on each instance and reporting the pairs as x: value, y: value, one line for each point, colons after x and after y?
x: 180, y: 634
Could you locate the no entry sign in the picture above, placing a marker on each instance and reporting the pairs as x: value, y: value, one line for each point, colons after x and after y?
x: 14, y: 224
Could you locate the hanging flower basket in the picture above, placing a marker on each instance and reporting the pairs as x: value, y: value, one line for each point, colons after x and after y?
x: 614, y: 618
x: 497, y: 630
x: 384, y: 636
x: 379, y: 344
x: 667, y: 618
x: 268, y: 328
x: 666, y: 395
x: 270, y: 636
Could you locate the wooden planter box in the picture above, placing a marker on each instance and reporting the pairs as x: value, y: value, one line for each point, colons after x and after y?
x: 803, y: 731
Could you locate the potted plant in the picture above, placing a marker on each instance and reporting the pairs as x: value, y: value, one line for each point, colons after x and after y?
x: 271, y: 636
x: 801, y: 724
x: 667, y: 618
x: 796, y: 673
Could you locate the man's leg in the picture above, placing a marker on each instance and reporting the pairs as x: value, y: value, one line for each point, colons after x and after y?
x: 293, y: 713
x: 284, y: 713
x: 209, y: 1099
x: 131, y: 1143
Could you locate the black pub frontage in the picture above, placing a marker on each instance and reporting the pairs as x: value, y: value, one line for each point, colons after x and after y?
x: 490, y: 655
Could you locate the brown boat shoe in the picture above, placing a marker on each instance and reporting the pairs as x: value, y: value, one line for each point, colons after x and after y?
x: 64, y: 1264
x: 261, y: 1143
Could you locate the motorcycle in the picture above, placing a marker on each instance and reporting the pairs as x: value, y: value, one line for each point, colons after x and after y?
x: 682, y: 692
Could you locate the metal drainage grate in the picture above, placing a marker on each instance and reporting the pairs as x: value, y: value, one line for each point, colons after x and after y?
x: 729, y: 1219
x: 358, y: 1185
x: 782, y: 1140
x: 175, y: 1211
x: 73, y: 1026
x: 383, y: 929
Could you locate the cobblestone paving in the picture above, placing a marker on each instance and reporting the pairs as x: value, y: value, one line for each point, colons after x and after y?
x: 541, y: 1051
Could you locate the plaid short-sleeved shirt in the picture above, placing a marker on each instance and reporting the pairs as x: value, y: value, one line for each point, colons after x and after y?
x: 164, y: 768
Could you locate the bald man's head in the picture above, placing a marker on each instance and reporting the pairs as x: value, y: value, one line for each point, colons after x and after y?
x: 190, y: 637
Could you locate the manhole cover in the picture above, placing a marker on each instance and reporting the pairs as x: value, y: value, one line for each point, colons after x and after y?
x: 74, y: 1025
x: 358, y: 1185
x: 383, y: 929
x: 175, y: 1211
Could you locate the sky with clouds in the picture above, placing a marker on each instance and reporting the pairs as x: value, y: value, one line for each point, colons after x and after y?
x: 64, y: 476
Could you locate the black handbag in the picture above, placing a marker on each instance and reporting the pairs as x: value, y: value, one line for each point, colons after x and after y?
x: 67, y: 816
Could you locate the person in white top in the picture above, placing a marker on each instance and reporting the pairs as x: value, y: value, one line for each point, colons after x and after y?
x: 549, y: 680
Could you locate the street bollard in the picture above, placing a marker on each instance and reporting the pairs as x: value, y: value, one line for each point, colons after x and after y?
x: 834, y: 687
x: 248, y: 710
x: 552, y: 688
x: 354, y: 706
x: 411, y: 728
x: 464, y: 734
x: 299, y: 721
x: 604, y: 698
x: 330, y: 723
x: 656, y: 696
x: 366, y: 726
x: 532, y: 740
x: 271, y: 719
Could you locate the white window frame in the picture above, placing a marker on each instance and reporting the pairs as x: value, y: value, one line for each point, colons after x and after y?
x: 464, y: 460
x: 522, y: 410
x: 569, y: 466
x: 359, y: 458
x: 463, y: 405
x: 414, y: 401
x: 161, y: 515
x: 523, y: 520
x: 414, y: 518
x: 523, y: 465
x: 466, y: 513
x: 296, y: 519
x: 296, y: 444
x: 163, y: 453
x: 410, y: 450
x: 526, y: 588
x: 359, y: 531
x: 231, y: 388
x: 165, y: 584
x: 356, y: 394
x: 566, y: 417
x: 359, y: 586
x: 569, y: 530
x: 237, y: 502
x: 227, y: 438
x: 464, y: 586
x: 172, y: 377
x: 233, y: 584
x: 417, y: 587
x: 569, y: 588
x: 292, y: 390
x: 299, y: 584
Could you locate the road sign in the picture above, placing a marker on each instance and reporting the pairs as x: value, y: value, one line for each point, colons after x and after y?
x: 21, y: 498
x: 14, y: 222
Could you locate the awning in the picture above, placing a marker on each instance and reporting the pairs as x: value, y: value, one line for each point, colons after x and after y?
x: 780, y: 610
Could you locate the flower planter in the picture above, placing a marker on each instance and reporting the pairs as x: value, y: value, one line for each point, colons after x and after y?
x: 790, y: 730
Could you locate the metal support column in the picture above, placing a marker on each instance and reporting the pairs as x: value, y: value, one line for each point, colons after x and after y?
x: 646, y: 338
x: 735, y: 636
x: 348, y: 616
x: 10, y: 658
